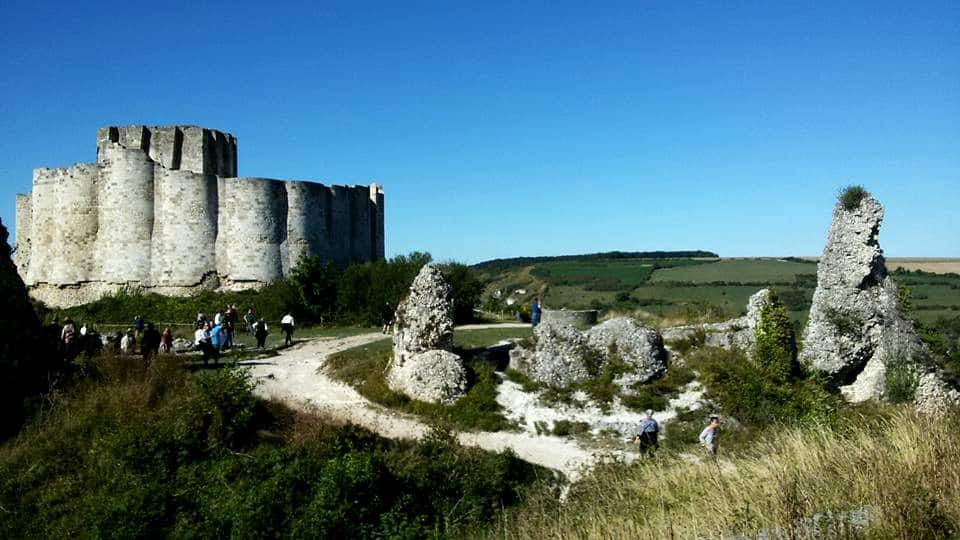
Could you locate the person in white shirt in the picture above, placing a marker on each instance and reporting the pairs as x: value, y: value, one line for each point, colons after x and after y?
x: 708, y: 437
x: 286, y: 324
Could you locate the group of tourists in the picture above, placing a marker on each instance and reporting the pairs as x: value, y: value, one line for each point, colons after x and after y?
x: 216, y: 336
x: 212, y: 337
x: 649, y: 430
x: 143, y: 338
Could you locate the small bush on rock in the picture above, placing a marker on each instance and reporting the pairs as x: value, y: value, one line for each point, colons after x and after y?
x: 851, y: 196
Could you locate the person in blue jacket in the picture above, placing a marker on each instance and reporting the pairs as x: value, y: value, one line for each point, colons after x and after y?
x: 535, y: 311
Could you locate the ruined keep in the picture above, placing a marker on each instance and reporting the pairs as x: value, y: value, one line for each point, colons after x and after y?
x: 164, y: 210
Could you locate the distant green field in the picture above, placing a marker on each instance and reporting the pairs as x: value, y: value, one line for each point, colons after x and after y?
x: 686, y: 287
x: 737, y: 271
x: 609, y: 275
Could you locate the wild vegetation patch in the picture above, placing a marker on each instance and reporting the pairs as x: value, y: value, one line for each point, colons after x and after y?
x: 135, y: 452
x: 317, y: 291
x: 778, y: 482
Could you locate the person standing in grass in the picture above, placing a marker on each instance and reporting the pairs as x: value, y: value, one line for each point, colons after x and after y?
x: 647, y: 434
x: 708, y: 437
x: 286, y: 324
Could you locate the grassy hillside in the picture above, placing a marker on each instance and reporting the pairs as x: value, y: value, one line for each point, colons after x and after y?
x: 889, y: 476
x: 129, y: 452
x: 671, y: 289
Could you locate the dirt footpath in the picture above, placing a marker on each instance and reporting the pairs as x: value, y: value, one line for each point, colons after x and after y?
x: 295, y: 377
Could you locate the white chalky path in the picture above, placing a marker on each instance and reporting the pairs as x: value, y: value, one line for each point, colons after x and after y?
x: 296, y: 377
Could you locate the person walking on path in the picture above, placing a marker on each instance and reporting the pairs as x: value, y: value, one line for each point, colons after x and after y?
x: 647, y: 434
x: 250, y: 319
x: 708, y: 437
x: 535, y: 311
x: 286, y: 324
x: 260, y: 332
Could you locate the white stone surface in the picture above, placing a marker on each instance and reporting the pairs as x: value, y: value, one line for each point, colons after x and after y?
x: 162, y: 209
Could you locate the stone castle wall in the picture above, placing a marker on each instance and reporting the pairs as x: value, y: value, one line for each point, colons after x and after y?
x: 163, y: 209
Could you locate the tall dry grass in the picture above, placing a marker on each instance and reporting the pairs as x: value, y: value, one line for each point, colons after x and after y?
x: 891, y: 477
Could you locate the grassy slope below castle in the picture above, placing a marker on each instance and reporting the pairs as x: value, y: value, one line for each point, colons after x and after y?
x: 134, y: 452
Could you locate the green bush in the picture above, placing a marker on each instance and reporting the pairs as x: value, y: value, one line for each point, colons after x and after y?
x: 749, y: 392
x: 851, y: 196
x: 134, y: 452
x: 564, y: 428
x: 900, y: 381
x: 776, y: 347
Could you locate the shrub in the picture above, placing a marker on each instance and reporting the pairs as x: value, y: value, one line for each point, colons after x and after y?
x: 121, y: 455
x: 563, y: 428
x: 776, y: 347
x: 748, y: 391
x: 851, y: 196
x: 900, y: 381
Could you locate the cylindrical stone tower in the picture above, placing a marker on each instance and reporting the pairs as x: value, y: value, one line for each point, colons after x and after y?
x: 185, y: 228
x: 76, y: 224
x: 126, y: 215
x: 255, y: 224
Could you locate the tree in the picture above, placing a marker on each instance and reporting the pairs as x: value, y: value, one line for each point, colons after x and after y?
x: 467, y: 289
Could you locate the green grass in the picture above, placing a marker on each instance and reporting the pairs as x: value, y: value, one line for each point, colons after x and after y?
x: 737, y: 271
x: 785, y: 476
x: 130, y: 452
x: 363, y: 368
x: 471, y: 339
x: 604, y: 275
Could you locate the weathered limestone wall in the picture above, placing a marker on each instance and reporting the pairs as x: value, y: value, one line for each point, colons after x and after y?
x: 256, y: 229
x: 126, y: 215
x: 162, y: 209
x: 340, y: 202
x: 43, y: 226
x: 76, y: 223
x: 185, y: 228
x: 376, y: 227
x: 307, y: 211
x: 21, y: 258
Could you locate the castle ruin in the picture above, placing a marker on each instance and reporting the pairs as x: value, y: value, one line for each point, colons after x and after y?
x: 163, y: 209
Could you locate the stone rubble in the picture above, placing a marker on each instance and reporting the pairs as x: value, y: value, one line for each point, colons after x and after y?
x: 423, y: 367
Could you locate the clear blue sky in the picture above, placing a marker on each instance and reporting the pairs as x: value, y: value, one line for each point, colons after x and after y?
x: 508, y: 129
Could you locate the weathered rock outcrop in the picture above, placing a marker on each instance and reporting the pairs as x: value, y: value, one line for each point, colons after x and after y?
x: 739, y: 333
x: 934, y: 396
x: 639, y: 347
x: 856, y: 323
x: 423, y: 367
x: 562, y: 355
